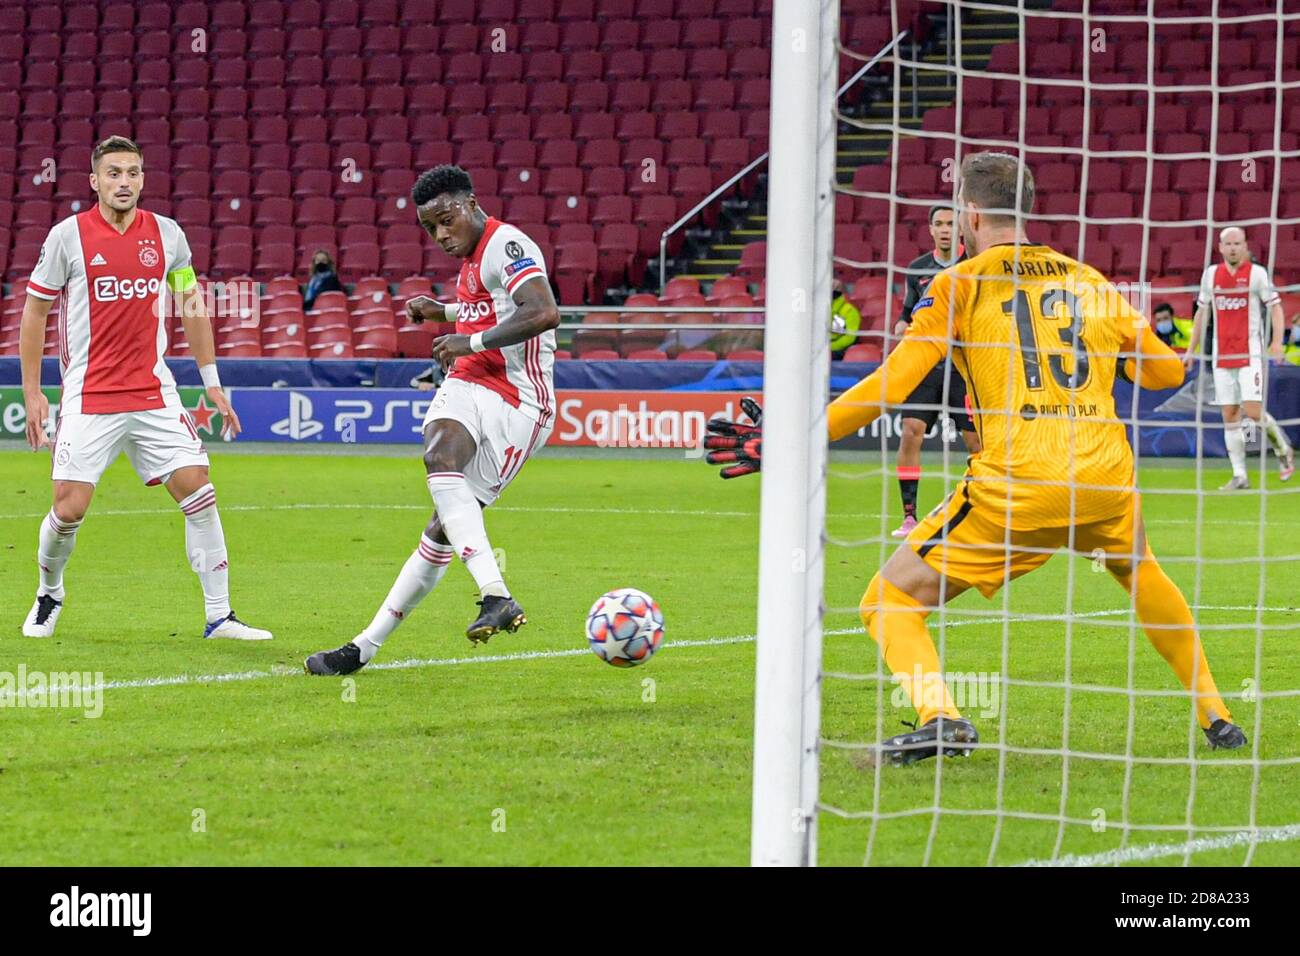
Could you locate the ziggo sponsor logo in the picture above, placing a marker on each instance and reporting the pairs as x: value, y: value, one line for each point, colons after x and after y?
x: 111, y: 288
x: 1225, y: 303
x: 469, y: 311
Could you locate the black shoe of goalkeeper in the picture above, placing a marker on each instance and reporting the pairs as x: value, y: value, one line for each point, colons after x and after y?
x: 1224, y: 736
x: 956, y: 736
x: 496, y: 614
x: 335, y: 663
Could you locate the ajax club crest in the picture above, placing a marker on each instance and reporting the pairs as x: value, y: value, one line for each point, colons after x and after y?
x: 148, y: 254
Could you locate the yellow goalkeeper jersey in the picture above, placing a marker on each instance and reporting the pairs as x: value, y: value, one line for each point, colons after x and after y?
x: 1037, y: 336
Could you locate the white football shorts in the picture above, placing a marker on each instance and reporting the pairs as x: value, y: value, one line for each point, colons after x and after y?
x: 505, y: 436
x: 157, y: 442
x: 1232, y: 386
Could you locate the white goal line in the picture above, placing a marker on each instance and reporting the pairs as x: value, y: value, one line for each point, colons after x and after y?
x: 1156, y: 851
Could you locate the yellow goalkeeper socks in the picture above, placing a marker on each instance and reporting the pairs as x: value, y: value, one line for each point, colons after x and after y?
x: 897, y: 623
x: 1167, y: 619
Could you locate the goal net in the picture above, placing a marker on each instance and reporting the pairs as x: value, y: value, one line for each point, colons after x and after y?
x: 1149, y: 127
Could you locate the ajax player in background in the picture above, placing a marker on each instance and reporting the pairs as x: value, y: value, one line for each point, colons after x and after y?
x: 1036, y: 336
x: 495, y: 408
x: 113, y: 266
x: 1239, y: 293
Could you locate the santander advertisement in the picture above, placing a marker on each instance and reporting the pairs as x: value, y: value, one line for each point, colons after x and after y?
x: 609, y: 419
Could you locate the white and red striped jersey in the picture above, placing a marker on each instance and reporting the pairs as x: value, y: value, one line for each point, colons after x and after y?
x: 522, y: 374
x: 1240, y: 299
x: 112, y: 333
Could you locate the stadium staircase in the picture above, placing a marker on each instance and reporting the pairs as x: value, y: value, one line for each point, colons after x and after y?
x: 710, y: 253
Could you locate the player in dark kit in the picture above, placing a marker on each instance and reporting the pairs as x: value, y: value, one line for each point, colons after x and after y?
x: 943, y: 386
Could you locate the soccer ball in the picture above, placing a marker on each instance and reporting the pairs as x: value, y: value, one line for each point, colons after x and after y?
x: 625, y: 627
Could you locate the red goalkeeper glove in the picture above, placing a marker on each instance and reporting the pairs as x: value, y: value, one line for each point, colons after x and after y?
x: 735, y: 444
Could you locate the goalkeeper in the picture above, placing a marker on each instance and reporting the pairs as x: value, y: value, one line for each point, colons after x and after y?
x: 1036, y: 336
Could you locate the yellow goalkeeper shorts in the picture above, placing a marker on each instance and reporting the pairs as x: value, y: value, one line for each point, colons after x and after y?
x: 962, y: 541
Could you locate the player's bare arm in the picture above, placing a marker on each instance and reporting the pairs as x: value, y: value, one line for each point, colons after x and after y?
x: 537, y: 313
x: 1278, y: 321
x: 198, y: 332
x: 425, y: 308
x: 31, y: 346
x: 1194, y: 341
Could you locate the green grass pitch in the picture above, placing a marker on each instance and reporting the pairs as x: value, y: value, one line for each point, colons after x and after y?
x: 224, y: 753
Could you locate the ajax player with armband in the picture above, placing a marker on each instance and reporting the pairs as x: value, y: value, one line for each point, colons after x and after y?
x: 114, y: 266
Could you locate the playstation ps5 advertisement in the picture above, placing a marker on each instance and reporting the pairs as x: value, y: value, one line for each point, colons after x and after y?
x: 331, y: 415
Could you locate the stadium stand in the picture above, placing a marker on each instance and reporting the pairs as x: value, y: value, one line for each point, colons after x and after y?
x: 1184, y: 200
x: 273, y: 128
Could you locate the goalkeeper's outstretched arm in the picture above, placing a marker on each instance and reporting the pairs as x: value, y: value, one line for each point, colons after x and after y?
x: 919, y: 351
x: 739, y: 446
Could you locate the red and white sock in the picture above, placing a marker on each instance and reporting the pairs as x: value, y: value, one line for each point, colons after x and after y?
x: 420, y: 575
x: 205, y: 544
x: 462, y: 522
x: 55, y: 547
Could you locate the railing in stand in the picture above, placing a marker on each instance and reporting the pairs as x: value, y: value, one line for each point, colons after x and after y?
x: 754, y: 164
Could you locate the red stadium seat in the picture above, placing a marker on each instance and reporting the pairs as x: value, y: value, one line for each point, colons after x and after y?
x: 415, y: 341
x: 753, y: 261
x: 864, y: 352
x: 618, y: 255
x: 598, y: 332
x: 239, y: 350
x: 575, y: 272
x: 379, y: 342
x: 580, y: 36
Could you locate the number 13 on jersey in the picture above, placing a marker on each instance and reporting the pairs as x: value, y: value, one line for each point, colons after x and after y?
x: 1027, y: 324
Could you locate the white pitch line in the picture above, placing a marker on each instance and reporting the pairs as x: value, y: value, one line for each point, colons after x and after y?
x: 525, y: 509
x: 286, y: 671
x: 1156, y: 851
x: 424, y: 509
